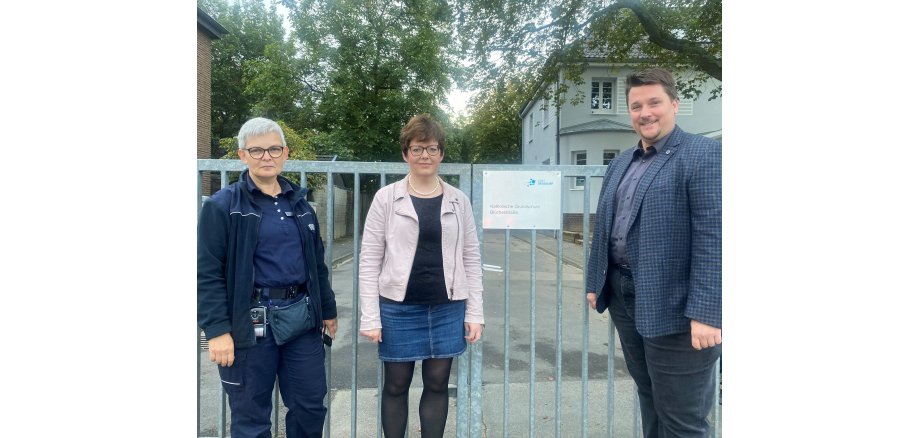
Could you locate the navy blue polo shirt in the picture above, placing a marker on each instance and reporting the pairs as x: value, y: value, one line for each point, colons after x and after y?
x: 278, y: 259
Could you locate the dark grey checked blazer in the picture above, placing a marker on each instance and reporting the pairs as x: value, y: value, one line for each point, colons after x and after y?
x: 674, y: 239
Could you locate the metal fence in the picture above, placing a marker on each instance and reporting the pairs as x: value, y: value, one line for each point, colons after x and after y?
x: 470, y: 388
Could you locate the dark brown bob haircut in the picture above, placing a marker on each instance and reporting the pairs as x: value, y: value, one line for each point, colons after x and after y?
x: 421, y: 127
x: 652, y: 76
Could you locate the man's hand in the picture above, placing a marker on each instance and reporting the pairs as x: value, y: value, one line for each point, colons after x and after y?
x: 375, y: 335
x: 220, y: 350
x: 332, y: 325
x: 592, y: 300
x: 474, y: 331
x: 704, y: 336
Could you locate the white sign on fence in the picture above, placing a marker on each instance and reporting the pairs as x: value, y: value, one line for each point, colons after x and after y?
x: 521, y: 200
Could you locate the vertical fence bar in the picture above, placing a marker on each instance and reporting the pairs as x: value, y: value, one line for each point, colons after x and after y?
x: 354, y: 303
x: 275, y: 410
x: 559, y: 255
x: 463, y: 395
x: 222, y: 429
x: 637, y: 420
x: 466, y: 183
x: 466, y: 180
x: 224, y: 180
x: 198, y: 200
x: 330, y: 205
x: 471, y: 185
x: 586, y: 209
x: 383, y: 183
x: 505, y: 403
x: 533, y: 328
x: 611, y: 330
x: 198, y: 337
x: 611, y: 375
x: 716, y: 402
x: 476, y: 390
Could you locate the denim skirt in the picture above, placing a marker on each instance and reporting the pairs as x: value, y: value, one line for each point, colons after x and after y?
x: 421, y: 331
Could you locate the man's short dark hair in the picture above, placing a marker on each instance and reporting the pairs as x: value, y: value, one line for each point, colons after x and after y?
x: 652, y: 76
x: 421, y: 127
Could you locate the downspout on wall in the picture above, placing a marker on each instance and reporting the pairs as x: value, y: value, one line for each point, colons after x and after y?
x: 558, y: 116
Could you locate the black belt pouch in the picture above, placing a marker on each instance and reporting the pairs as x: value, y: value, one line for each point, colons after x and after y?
x: 290, y: 321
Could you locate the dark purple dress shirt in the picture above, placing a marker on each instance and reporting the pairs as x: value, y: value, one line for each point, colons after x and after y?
x: 641, y: 160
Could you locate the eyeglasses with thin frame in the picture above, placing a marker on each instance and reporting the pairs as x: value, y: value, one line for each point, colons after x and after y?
x: 273, y: 151
x: 432, y: 150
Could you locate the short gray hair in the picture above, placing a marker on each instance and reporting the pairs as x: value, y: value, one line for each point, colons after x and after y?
x: 258, y: 126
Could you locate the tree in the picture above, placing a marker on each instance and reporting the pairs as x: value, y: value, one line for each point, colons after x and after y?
x: 255, y: 70
x: 494, y: 129
x: 386, y: 62
x: 275, y: 86
x: 553, y: 37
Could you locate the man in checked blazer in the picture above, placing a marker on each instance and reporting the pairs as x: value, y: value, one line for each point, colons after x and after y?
x: 656, y: 260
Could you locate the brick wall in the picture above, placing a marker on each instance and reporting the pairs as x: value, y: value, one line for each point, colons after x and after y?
x: 204, y: 104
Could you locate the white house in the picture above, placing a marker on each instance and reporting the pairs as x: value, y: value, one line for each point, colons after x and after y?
x: 599, y: 128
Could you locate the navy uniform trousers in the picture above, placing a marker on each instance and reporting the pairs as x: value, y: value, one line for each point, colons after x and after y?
x: 675, y: 381
x: 300, y: 367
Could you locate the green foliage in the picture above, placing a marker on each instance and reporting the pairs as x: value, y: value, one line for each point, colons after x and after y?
x: 255, y: 70
x: 494, y: 129
x: 553, y: 38
x: 273, y: 86
x: 352, y: 72
x: 386, y: 62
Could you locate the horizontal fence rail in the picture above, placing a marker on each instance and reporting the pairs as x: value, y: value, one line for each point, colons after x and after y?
x: 470, y: 385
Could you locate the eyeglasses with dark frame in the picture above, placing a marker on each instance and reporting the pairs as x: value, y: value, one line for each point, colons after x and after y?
x: 273, y: 151
x: 417, y: 150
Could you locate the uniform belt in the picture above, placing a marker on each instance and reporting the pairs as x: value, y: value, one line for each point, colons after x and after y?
x: 624, y: 269
x: 278, y: 293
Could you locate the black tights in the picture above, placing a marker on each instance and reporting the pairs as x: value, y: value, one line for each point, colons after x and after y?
x: 432, y: 408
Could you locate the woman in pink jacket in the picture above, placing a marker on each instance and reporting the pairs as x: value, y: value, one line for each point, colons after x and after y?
x: 420, y: 280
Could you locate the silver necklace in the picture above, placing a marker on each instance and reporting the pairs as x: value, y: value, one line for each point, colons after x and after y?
x: 436, y: 186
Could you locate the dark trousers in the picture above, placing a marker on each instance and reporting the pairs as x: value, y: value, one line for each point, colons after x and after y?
x: 299, y: 365
x: 675, y: 381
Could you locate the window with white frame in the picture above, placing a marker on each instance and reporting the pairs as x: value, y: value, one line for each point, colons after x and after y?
x: 602, y: 90
x: 545, y: 110
x: 579, y: 158
x: 609, y: 155
x: 530, y: 128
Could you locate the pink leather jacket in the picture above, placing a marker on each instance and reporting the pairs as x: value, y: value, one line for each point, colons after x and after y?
x: 388, y: 250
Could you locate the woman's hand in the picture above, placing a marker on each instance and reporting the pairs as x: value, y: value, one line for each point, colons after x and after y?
x: 220, y: 350
x: 332, y: 326
x: 375, y: 335
x: 473, y: 330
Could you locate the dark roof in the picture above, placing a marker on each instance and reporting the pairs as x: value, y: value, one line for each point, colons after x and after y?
x: 600, y: 125
x: 600, y: 54
x: 210, y: 26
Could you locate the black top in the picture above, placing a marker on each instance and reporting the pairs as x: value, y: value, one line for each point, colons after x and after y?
x: 426, y: 281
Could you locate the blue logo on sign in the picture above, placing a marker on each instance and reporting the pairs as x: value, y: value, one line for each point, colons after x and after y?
x: 538, y: 182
